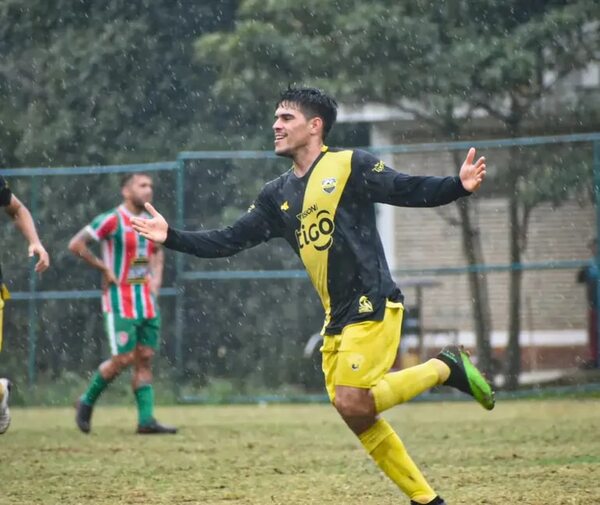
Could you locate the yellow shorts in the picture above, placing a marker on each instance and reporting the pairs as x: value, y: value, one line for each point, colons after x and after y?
x: 4, y: 295
x: 363, y: 353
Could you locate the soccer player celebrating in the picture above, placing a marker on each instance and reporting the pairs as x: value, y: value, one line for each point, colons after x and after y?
x: 324, y: 208
x: 131, y: 269
x: 24, y: 222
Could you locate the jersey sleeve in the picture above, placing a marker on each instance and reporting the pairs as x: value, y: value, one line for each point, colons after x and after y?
x: 383, y: 184
x: 5, y: 192
x: 103, y: 226
x: 259, y: 224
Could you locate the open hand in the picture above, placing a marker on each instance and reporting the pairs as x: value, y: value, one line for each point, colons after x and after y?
x: 155, y: 228
x: 37, y: 249
x: 472, y: 174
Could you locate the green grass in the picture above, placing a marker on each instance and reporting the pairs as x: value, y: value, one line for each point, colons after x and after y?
x: 524, y: 452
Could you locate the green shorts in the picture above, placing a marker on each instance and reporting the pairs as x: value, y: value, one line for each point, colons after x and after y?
x: 125, y: 333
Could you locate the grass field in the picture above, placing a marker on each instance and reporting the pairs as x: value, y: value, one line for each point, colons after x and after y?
x: 524, y: 452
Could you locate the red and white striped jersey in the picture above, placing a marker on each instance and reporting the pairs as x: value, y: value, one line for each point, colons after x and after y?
x: 128, y: 255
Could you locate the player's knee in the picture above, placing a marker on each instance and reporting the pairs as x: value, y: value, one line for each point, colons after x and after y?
x: 349, y: 410
x: 353, y: 402
x: 144, y: 354
x: 123, y: 360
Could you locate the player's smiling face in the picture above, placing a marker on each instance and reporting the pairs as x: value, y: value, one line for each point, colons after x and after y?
x: 292, y: 129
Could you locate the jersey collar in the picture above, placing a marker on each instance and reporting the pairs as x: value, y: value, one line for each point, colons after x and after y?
x: 324, y: 149
x: 128, y: 213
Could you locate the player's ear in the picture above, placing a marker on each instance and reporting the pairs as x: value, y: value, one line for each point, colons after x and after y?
x: 316, y: 125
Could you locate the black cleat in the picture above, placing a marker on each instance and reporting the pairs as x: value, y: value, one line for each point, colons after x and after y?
x: 436, y: 501
x: 155, y: 428
x: 83, y: 416
x: 465, y: 376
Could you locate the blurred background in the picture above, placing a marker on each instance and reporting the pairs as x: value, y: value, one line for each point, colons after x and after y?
x: 187, y: 90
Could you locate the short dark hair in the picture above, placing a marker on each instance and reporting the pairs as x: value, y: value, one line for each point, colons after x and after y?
x: 130, y: 175
x: 312, y: 102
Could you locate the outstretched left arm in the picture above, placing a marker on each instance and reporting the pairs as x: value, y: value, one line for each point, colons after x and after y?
x: 385, y: 185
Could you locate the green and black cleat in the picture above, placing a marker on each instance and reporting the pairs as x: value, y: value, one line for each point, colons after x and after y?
x: 465, y: 377
x: 153, y: 427
x: 83, y: 416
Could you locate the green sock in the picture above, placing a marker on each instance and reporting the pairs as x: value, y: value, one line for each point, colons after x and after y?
x: 94, y: 390
x: 144, y: 396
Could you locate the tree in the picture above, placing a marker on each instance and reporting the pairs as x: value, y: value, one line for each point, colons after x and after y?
x: 92, y: 83
x: 525, y: 60
x: 405, y: 54
x: 442, y: 63
x: 99, y: 83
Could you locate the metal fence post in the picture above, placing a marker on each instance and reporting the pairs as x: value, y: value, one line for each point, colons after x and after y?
x: 596, y: 168
x: 179, y: 282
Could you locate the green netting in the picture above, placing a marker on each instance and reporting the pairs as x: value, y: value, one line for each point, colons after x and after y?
x: 238, y: 327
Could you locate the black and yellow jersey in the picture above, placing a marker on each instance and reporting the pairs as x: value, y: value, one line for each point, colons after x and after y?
x: 328, y: 217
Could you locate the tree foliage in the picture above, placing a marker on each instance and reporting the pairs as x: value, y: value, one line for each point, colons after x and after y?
x: 447, y: 64
x: 99, y: 82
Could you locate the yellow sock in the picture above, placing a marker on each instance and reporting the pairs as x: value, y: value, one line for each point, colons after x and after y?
x: 399, y: 387
x: 387, y: 450
x: 1, y: 315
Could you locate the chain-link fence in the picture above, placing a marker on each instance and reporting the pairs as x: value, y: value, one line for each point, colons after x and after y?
x: 505, y: 263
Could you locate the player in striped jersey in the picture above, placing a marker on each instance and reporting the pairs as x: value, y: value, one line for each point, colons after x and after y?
x: 131, y: 269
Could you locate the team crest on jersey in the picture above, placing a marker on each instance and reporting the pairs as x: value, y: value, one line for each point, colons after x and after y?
x: 364, y: 305
x: 329, y: 185
x: 379, y: 166
x: 123, y: 337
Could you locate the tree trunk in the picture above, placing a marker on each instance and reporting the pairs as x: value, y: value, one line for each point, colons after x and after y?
x: 513, y: 349
x: 473, y: 252
x: 471, y: 241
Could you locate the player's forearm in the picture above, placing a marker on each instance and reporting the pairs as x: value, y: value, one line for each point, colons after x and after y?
x: 415, y: 191
x: 81, y: 250
x: 91, y: 259
x: 249, y: 230
x: 204, y: 244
